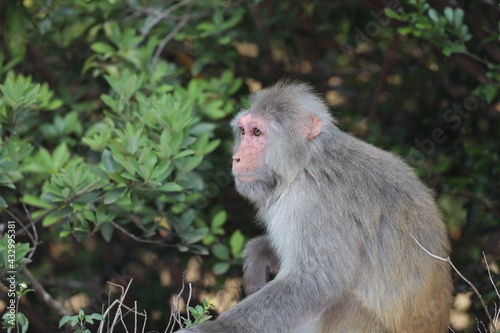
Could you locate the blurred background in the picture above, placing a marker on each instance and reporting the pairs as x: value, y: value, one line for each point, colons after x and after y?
x: 115, y: 149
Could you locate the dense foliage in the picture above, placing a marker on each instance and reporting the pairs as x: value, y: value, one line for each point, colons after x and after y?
x: 115, y: 150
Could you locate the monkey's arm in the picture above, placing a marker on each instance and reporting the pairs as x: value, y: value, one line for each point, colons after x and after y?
x: 281, y: 306
x: 259, y: 262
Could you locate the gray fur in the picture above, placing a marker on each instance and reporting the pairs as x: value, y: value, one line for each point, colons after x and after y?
x: 260, y: 262
x: 338, y: 214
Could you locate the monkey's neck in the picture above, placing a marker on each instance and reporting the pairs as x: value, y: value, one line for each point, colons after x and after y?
x: 283, y: 184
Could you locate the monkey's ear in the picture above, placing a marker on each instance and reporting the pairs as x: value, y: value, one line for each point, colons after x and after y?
x: 312, y: 126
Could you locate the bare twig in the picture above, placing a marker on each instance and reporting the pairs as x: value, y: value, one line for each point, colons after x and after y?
x: 34, y: 238
x: 426, y: 251
x: 482, y: 324
x: 167, y: 39
x: 496, y: 313
x: 139, y: 239
x: 149, y: 11
x: 44, y: 295
x: 489, y: 274
x: 189, y: 300
x: 175, y: 315
x: 163, y: 15
x: 170, y: 318
x: 92, y: 284
x: 172, y: 315
x: 24, y: 228
x: 118, y: 308
x: 119, y: 314
x: 177, y: 305
x: 145, y: 320
x: 492, y: 323
x: 135, y: 316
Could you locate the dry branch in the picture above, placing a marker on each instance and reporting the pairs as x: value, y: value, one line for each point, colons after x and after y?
x: 493, y: 322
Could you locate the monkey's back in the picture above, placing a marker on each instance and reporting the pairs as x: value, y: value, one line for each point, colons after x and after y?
x: 399, y: 287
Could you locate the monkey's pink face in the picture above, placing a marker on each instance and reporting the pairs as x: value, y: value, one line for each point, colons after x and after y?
x: 248, y: 158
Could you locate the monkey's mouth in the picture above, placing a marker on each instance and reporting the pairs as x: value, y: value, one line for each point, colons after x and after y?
x: 245, y: 178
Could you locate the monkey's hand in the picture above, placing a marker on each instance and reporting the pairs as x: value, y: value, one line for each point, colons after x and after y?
x: 259, y: 262
x: 207, y: 327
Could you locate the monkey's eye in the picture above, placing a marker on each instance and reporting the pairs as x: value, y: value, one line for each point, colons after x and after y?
x: 257, y: 132
x: 242, y: 130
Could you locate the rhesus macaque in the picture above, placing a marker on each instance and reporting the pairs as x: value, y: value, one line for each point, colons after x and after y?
x: 338, y: 214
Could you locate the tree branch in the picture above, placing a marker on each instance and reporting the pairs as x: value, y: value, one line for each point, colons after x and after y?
x: 480, y: 201
x: 44, y: 295
x: 492, y: 323
x: 138, y: 239
x: 161, y: 16
x: 165, y: 40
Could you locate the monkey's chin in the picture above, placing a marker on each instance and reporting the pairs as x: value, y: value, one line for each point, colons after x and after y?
x: 246, y: 179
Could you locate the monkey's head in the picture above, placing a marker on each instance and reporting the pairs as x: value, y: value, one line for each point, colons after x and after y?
x: 275, y: 137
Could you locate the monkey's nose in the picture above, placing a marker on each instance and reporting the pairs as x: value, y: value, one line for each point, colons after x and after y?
x: 236, y: 159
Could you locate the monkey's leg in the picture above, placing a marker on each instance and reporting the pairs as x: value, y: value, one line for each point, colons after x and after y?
x: 350, y: 316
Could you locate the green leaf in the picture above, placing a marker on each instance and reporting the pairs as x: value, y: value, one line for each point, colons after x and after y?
x: 50, y: 220
x: 405, y: 30
x: 237, y: 242
x: 22, y: 250
x: 64, y: 320
x: 218, y: 220
x: 392, y: 14
x: 6, y: 318
x: 100, y: 47
x: 23, y: 321
x: 202, y: 128
x: 176, y: 140
x: 36, y: 202
x: 220, y: 268
x: 113, y: 195
x: 89, y: 216
x: 448, y: 13
x: 458, y: 17
x: 100, y: 214
x: 94, y: 169
x: 109, y: 101
x: 184, y: 153
x: 6, y: 181
x: 433, y: 15
x: 66, y: 192
x: 96, y: 316
x: 170, y: 187
x: 198, y: 249
x: 199, y: 311
x: 464, y: 31
x: 192, y: 162
x: 221, y: 252
x: 107, y: 231
x: 204, y: 318
x: 60, y: 156
x: 211, y: 146
x: 193, y: 236
x: 108, y: 161
x: 64, y: 233
x: 88, y: 197
x: 3, y: 203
